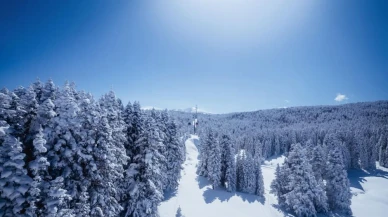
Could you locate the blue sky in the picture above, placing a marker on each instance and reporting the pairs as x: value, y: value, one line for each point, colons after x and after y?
x: 224, y: 56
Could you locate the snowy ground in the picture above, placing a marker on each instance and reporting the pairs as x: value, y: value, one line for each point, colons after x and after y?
x: 370, y: 192
x: 197, y: 199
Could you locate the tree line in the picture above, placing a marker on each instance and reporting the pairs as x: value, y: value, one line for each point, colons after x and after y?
x: 320, y: 144
x: 361, y: 128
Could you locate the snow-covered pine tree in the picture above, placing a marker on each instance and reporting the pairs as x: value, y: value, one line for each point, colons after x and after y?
x: 228, y: 164
x: 383, y: 150
x: 5, y: 104
x: 179, y: 212
x: 258, y: 151
x: 144, y: 174
x: 105, y: 174
x: 56, y: 199
x: 47, y: 193
x: 362, y: 139
x: 14, y: 181
x: 29, y: 105
x: 17, y: 122
x: 133, y: 119
x: 337, y: 183
x: 279, y: 184
x: 304, y: 196
x: 174, y: 153
x: 259, y: 179
x: 353, y: 146
x: 61, y: 135
x: 45, y: 113
x: 38, y: 168
x: 277, y: 146
x: 161, y: 125
x: 318, y: 162
x: 127, y: 118
x: 49, y: 91
x: 210, y: 140
x: 112, y: 110
x: 267, y: 148
x: 246, y: 176
x: 214, y: 164
x: 134, y: 123
x: 86, y: 137
x: 37, y: 87
x: 109, y: 158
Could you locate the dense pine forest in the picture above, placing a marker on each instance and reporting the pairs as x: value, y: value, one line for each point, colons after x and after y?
x: 321, y: 143
x: 65, y: 153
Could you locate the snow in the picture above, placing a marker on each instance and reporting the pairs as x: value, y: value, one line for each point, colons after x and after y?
x: 196, y: 197
x: 2, y: 131
x: 370, y: 192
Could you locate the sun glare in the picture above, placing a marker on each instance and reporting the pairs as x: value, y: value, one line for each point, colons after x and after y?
x: 228, y: 22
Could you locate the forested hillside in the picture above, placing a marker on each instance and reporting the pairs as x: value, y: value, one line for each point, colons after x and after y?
x: 320, y: 144
x: 361, y: 128
x: 64, y: 153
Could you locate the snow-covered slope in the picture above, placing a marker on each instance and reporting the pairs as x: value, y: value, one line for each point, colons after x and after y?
x: 196, y: 198
x: 370, y: 192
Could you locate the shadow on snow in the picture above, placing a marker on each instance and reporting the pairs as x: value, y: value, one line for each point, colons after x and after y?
x: 357, y: 177
x: 169, y: 194
x: 210, y: 195
x: 288, y: 214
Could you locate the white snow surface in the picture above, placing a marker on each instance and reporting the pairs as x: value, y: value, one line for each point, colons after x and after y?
x: 196, y: 197
x: 370, y: 192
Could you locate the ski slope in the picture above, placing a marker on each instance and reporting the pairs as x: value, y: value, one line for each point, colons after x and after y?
x: 196, y: 198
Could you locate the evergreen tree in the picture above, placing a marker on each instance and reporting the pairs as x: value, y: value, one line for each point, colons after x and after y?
x: 38, y: 168
x: 14, y: 181
x: 49, y: 91
x: 228, y: 164
x: 86, y: 137
x: 109, y: 158
x: 337, y: 183
x: 144, y: 172
x: 383, y: 150
x: 56, y: 199
x: 210, y: 140
x: 277, y: 146
x: 127, y: 118
x: 259, y: 179
x: 29, y: 105
x: 279, y: 184
x: 5, y: 113
x: 246, y: 176
x: 37, y: 87
x: 174, y: 154
x: 303, y: 195
x: 317, y: 161
x: 214, y: 164
x: 179, y: 212
x: 61, y: 133
x: 160, y: 122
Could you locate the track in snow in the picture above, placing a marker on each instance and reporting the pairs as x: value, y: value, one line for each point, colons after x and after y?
x: 196, y: 197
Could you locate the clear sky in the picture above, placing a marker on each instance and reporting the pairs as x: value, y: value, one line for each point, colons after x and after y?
x: 224, y: 55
